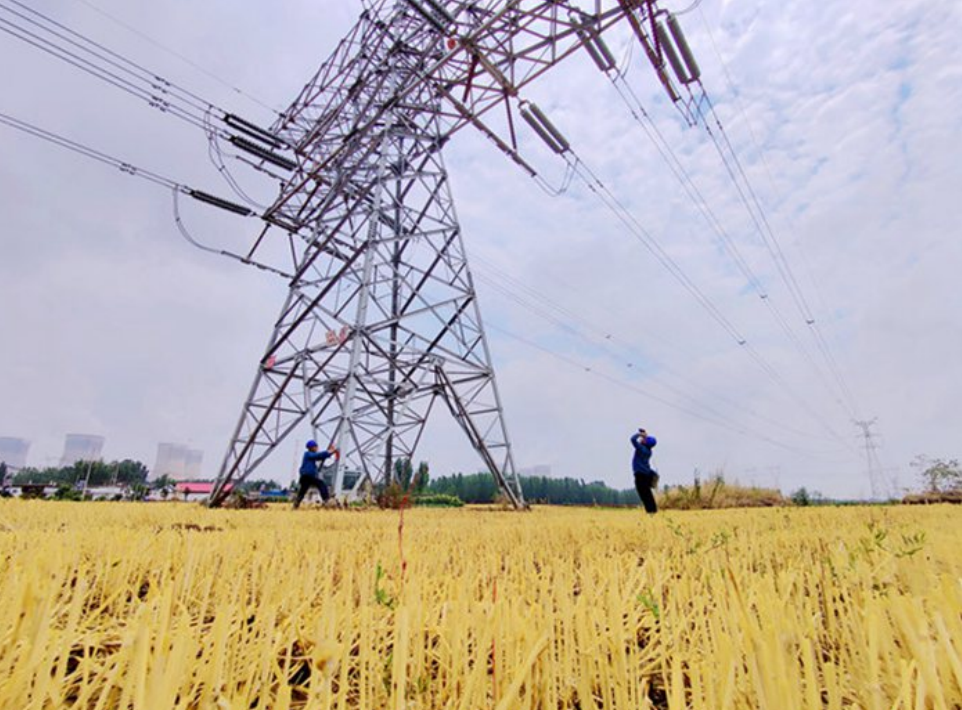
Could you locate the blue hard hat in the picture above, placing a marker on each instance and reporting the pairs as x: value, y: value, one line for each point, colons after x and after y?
x: 311, y: 444
x: 650, y: 440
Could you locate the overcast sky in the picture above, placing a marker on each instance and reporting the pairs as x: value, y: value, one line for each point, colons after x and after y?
x: 846, y: 117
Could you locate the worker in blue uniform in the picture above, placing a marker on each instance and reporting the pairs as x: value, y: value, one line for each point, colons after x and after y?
x: 310, y: 476
x: 646, y: 479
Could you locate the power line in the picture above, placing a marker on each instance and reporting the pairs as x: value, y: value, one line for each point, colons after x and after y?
x: 129, y: 169
x: 134, y: 171
x: 687, y: 9
x: 642, y: 235
x: 86, y: 151
x: 216, y: 155
x: 771, y: 243
x: 561, y: 146
x: 94, y: 58
x: 622, y: 383
x: 53, y: 37
x: 576, y: 325
x: 181, y: 57
x: 763, y: 226
x: 185, y: 233
x: 641, y: 116
x: 153, y: 91
x: 123, y: 63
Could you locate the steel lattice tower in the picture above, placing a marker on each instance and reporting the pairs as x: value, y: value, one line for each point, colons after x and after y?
x: 381, y: 319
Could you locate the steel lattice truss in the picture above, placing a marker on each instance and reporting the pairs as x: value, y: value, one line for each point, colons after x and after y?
x: 381, y: 318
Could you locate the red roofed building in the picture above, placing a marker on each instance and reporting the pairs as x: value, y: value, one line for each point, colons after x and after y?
x: 196, y: 490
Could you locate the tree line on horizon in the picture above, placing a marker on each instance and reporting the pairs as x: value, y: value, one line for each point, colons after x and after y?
x: 96, y: 473
x: 937, y: 476
x: 482, y: 488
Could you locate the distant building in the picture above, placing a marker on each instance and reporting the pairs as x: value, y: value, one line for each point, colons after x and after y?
x: 178, y: 462
x: 197, y: 491
x: 13, y: 452
x: 81, y: 447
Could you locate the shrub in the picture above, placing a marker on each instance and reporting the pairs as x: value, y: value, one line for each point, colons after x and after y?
x: 392, y: 496
x: 67, y: 492
x: 439, y: 500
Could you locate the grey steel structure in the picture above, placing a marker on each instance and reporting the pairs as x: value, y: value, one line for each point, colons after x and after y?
x: 381, y: 322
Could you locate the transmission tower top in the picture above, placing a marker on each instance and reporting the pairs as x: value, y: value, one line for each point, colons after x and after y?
x: 471, y: 60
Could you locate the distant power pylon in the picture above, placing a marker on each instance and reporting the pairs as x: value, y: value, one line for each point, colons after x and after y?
x: 874, y: 466
x: 381, y: 320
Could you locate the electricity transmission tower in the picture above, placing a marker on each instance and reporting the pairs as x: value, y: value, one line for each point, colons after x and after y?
x: 381, y: 324
x: 871, y: 457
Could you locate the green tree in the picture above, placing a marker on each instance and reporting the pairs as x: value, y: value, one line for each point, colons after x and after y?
x: 481, y: 488
x: 131, y: 472
x: 403, y: 473
x: 95, y: 473
x: 162, y: 482
x: 938, y: 475
x: 421, y: 478
x: 45, y: 476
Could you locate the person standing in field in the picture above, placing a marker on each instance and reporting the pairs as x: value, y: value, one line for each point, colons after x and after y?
x: 645, y: 477
x: 310, y: 477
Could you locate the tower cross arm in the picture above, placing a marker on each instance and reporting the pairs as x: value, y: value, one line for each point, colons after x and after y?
x: 395, y: 62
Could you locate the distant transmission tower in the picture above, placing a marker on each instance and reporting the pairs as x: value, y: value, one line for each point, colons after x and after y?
x: 872, y: 463
x: 381, y: 322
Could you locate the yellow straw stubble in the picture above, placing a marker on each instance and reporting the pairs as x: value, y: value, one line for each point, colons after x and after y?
x: 156, y: 606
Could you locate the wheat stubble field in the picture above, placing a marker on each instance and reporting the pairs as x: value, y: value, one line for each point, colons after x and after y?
x: 165, y: 605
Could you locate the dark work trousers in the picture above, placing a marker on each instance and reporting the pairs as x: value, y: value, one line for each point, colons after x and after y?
x: 307, y: 482
x: 645, y: 492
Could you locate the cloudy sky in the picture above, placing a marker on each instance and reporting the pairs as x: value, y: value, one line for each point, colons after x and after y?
x: 846, y: 117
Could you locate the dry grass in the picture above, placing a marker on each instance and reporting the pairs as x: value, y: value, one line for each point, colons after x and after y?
x: 157, y: 606
x: 716, y: 493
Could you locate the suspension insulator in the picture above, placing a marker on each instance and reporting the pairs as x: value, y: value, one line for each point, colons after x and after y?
x: 598, y: 51
x: 668, y: 50
x: 220, y: 202
x: 599, y: 44
x: 593, y: 44
x: 263, y: 153
x: 693, y: 71
x: 544, y: 128
x: 254, y: 131
x: 441, y: 10
x: 424, y: 12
